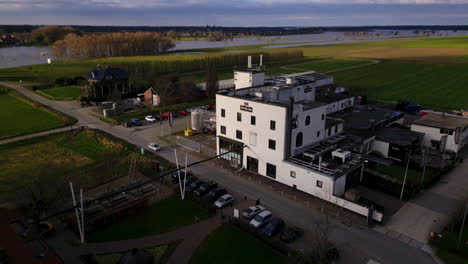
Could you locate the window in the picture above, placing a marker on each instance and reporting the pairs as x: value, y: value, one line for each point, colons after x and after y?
x: 223, y: 130
x: 293, y: 174
x: 336, y: 129
x: 319, y: 184
x: 323, y: 116
x: 271, y: 144
x: 446, y: 131
x: 238, y: 134
x: 253, y: 138
x: 318, y: 133
x: 299, y: 139
x: 223, y: 112
x: 239, y: 117
x: 307, y: 122
x: 271, y: 170
x: 272, y: 125
x: 252, y: 120
x: 329, y: 131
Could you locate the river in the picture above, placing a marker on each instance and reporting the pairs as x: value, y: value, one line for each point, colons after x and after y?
x: 23, y: 56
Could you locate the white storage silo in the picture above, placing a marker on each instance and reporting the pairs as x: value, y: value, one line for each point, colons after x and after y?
x: 196, y: 120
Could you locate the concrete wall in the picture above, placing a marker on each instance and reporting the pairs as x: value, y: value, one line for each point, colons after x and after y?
x: 432, y: 133
x: 245, y: 79
x: 381, y: 147
x: 340, y: 105
x: 309, y: 132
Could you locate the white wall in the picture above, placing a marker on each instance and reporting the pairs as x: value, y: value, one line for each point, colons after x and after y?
x: 309, y: 132
x: 246, y: 79
x: 432, y: 133
x: 381, y: 147
x: 340, y: 105
x: 340, y: 185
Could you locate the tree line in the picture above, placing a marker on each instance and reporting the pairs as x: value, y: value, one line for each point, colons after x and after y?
x: 111, y: 45
x: 142, y: 72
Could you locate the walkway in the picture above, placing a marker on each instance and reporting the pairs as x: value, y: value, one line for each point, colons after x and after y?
x: 190, y: 237
x: 433, y: 209
x: 39, y: 134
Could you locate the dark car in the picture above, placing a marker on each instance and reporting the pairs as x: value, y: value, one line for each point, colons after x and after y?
x: 213, y: 195
x: 127, y: 124
x: 194, y: 185
x: 175, y: 176
x: 136, y: 122
x: 273, y: 227
x: 291, y: 234
x: 205, y: 188
x: 190, y: 180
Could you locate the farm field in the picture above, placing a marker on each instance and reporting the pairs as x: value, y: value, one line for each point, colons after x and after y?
x: 438, y: 86
x: 162, y: 217
x: 19, y: 116
x: 63, y: 93
x: 328, y: 65
x: 48, y: 159
x: 228, y: 244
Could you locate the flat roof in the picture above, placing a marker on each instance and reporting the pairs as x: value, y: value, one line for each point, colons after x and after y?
x: 398, y: 135
x: 365, y: 117
x: 442, y: 121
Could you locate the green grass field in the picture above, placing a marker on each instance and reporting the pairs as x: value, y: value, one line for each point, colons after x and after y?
x: 63, y: 93
x: 413, y: 177
x: 52, y: 157
x: 439, y: 86
x: 228, y: 244
x: 164, y: 216
x: 19, y: 117
x: 328, y: 65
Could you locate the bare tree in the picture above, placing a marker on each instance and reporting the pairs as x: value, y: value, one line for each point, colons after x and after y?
x: 212, y: 84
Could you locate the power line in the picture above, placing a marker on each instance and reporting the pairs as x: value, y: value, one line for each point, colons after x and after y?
x: 132, y: 187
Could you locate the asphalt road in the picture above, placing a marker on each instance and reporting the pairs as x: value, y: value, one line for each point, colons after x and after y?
x: 358, y: 245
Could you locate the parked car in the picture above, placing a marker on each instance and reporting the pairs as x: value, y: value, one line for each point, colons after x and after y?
x: 154, y: 146
x: 182, y: 112
x: 273, y: 227
x: 151, y: 118
x: 205, y: 188
x: 127, y: 123
x: 194, y: 185
x: 175, y: 176
x: 214, y: 195
x: 136, y: 122
x: 165, y: 115
x: 190, y: 180
x: 224, y: 201
x: 210, y: 107
x: 250, y: 212
x: 291, y: 234
x: 261, y: 219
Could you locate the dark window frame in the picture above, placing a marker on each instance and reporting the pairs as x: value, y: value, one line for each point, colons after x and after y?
x: 272, y: 144
x: 223, y: 112
x: 271, y: 170
x: 239, y: 134
x: 223, y: 130
x: 272, y: 125
x: 253, y: 120
x: 319, y: 184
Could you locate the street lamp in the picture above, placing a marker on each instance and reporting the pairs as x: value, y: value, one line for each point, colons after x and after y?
x: 362, y: 169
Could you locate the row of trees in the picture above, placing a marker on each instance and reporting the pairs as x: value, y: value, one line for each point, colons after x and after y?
x: 48, y: 35
x: 111, y: 45
x: 143, y: 72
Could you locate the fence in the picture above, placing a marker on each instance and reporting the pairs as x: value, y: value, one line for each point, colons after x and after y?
x: 187, y: 143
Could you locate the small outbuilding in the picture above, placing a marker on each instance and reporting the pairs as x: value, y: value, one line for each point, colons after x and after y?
x: 151, y: 97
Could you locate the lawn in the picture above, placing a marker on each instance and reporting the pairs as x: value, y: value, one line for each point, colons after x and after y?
x: 63, y: 93
x: 413, y: 177
x: 160, y: 254
x: 52, y: 158
x: 328, y: 65
x: 164, y: 216
x: 447, y: 245
x: 228, y: 244
x: 439, y: 86
x: 19, y: 116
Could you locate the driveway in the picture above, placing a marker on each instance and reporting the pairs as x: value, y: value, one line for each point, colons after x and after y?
x: 360, y: 243
x: 433, y: 209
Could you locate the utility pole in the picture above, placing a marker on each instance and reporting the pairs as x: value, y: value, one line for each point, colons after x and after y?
x: 463, y: 225
x: 362, y: 169
x: 406, y: 173
x: 78, y: 211
x: 424, y: 160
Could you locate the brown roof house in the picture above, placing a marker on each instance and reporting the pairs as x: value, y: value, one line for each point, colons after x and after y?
x: 152, y: 97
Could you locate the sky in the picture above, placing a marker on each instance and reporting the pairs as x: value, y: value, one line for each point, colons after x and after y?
x: 234, y: 12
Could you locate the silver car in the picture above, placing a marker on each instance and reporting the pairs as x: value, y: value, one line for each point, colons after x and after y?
x: 250, y: 212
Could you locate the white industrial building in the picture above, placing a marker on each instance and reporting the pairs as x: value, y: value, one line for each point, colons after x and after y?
x: 443, y: 132
x: 277, y: 128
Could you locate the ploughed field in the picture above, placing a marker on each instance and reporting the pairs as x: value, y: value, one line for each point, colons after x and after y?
x: 19, y: 116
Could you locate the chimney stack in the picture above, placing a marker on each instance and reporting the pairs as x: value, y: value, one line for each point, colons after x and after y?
x: 249, y: 62
x: 261, y: 59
